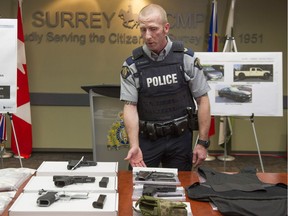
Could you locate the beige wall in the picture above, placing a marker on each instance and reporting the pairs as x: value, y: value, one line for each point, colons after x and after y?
x: 64, y: 67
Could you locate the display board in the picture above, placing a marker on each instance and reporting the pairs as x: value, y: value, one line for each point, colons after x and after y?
x: 8, y: 65
x: 244, y: 83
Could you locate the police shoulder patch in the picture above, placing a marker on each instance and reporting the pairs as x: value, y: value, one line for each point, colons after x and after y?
x: 198, y: 64
x: 130, y: 60
x: 188, y: 51
x: 125, y: 72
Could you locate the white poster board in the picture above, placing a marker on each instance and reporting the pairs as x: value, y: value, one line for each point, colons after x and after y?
x: 8, y: 65
x: 244, y: 83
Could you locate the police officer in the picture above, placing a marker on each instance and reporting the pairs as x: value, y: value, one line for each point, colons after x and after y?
x: 159, y: 83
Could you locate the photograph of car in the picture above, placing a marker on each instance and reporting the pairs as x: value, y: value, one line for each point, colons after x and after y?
x: 212, y: 73
x: 235, y: 94
x: 252, y: 73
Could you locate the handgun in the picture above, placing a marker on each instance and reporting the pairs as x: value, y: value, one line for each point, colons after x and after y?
x: 155, y: 176
x: 73, y: 164
x: 152, y: 189
x: 47, y: 198
x: 61, y: 181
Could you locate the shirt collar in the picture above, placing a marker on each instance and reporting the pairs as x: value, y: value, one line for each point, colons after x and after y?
x: 162, y: 54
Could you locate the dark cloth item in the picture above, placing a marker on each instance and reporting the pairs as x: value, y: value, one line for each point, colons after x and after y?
x: 201, y: 192
x: 251, y: 207
x: 257, y: 200
x: 246, y: 180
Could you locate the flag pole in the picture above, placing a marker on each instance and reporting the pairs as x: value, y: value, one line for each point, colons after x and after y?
x: 212, y: 47
x: 3, y: 138
x: 16, y: 140
x: 228, y: 47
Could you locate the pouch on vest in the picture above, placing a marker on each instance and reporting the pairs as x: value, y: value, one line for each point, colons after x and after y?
x: 150, y: 206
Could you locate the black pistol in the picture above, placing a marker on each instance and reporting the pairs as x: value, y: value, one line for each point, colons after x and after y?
x: 61, y: 181
x: 155, y: 176
x: 152, y: 189
x: 73, y: 164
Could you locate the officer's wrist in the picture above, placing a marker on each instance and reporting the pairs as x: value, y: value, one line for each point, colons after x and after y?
x: 204, y: 143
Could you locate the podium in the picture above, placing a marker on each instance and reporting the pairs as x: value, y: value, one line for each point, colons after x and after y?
x: 105, y: 106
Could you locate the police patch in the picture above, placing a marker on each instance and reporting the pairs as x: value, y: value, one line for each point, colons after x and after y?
x: 125, y: 72
x: 198, y: 64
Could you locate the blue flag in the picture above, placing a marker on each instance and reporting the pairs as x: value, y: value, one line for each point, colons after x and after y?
x: 3, y: 134
x: 213, y: 30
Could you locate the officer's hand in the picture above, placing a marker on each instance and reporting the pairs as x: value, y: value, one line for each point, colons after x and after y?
x: 199, y: 155
x: 135, y: 157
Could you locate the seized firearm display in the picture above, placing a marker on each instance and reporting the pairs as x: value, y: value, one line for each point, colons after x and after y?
x: 61, y: 181
x: 73, y: 164
x: 47, y: 198
x: 152, y: 189
x: 155, y: 176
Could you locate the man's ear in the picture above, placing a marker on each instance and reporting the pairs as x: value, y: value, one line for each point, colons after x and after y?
x: 166, y: 28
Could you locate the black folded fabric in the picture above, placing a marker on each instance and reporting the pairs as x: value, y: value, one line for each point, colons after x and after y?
x: 240, y: 194
x: 246, y: 180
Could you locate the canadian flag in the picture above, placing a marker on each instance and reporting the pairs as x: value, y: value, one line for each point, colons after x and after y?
x: 22, y: 117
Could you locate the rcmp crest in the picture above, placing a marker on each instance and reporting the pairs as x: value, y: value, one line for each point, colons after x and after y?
x: 125, y: 72
x: 117, y: 136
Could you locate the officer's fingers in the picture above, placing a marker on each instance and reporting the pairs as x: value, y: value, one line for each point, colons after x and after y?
x: 196, y: 164
x: 195, y: 158
x: 142, y: 163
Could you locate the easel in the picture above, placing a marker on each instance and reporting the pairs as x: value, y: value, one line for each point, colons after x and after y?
x: 229, y: 46
x: 226, y: 157
x: 3, y: 138
x: 251, y: 118
x: 230, y: 43
x: 7, y: 155
x: 3, y: 153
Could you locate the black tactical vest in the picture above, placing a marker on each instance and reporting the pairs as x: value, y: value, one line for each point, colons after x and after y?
x: 240, y: 194
x: 164, y: 93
